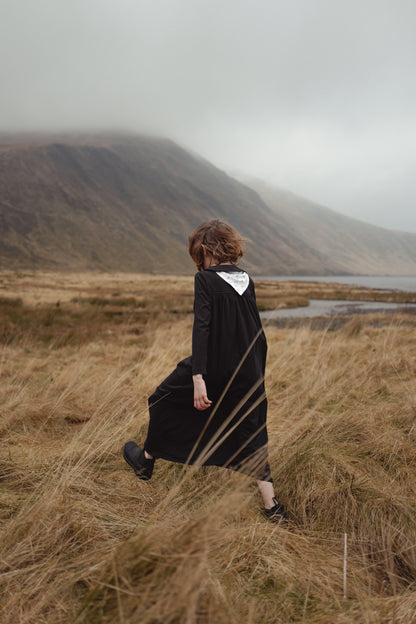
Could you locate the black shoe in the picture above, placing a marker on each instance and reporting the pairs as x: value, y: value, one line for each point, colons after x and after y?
x: 136, y: 458
x: 276, y: 514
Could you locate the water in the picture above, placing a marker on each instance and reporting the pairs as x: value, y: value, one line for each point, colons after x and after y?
x: 384, y: 282
x: 333, y: 307
x: 325, y: 307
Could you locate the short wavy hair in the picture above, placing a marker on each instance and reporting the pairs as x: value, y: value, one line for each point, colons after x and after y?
x: 219, y: 239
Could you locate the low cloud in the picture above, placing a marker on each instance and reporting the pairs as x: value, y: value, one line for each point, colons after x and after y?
x: 318, y: 97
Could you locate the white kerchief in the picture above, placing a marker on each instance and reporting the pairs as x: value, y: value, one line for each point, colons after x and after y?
x: 238, y: 280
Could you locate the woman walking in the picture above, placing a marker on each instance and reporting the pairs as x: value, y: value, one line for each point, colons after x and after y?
x: 211, y: 410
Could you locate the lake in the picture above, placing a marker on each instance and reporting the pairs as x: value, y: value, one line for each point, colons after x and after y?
x: 325, y: 307
x: 404, y: 282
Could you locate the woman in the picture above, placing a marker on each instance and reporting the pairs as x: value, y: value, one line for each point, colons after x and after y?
x: 212, y: 408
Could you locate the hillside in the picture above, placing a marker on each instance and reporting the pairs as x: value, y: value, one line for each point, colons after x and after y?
x: 349, y: 242
x: 128, y: 203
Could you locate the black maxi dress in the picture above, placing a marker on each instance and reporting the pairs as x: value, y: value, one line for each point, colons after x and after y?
x: 229, y: 349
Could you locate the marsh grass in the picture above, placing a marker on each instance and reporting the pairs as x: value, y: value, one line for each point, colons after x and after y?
x: 83, y: 540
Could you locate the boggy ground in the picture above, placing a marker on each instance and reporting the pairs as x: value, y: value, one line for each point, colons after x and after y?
x: 83, y: 540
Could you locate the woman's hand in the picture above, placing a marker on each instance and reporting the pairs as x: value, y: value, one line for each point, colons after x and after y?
x: 201, y: 400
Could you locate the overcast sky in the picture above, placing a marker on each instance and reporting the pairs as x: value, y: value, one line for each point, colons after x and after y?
x: 314, y: 96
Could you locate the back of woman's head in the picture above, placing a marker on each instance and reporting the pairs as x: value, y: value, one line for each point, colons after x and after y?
x: 220, y: 241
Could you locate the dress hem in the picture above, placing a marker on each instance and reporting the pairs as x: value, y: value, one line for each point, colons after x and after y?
x: 233, y: 467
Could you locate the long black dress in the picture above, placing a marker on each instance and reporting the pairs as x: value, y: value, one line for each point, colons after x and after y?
x: 229, y: 349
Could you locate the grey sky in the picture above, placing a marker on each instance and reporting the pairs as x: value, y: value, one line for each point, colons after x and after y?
x: 316, y: 96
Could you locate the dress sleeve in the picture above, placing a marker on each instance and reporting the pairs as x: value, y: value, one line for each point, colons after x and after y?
x: 202, y: 321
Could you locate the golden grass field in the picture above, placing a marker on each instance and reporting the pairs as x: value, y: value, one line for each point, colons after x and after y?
x: 84, y: 541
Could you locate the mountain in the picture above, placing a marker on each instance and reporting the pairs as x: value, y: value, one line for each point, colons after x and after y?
x: 128, y: 203
x: 353, y: 244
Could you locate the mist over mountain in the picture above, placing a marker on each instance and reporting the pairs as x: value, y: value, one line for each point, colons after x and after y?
x: 357, y: 246
x: 120, y: 202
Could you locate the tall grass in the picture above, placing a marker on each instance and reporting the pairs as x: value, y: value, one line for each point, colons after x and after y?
x: 83, y: 540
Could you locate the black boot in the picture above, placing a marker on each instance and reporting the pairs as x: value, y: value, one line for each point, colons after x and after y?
x: 276, y: 514
x: 136, y: 458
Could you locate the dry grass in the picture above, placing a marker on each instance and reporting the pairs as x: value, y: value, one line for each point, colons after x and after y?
x: 83, y: 540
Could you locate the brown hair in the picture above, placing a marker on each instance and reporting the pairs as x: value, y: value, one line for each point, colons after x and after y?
x: 220, y: 241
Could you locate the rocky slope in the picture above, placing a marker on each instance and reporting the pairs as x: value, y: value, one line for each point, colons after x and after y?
x: 128, y: 203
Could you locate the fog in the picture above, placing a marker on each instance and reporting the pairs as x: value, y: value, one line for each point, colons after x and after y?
x: 314, y: 96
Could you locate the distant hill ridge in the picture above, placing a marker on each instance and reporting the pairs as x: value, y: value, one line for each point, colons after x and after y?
x: 120, y: 202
